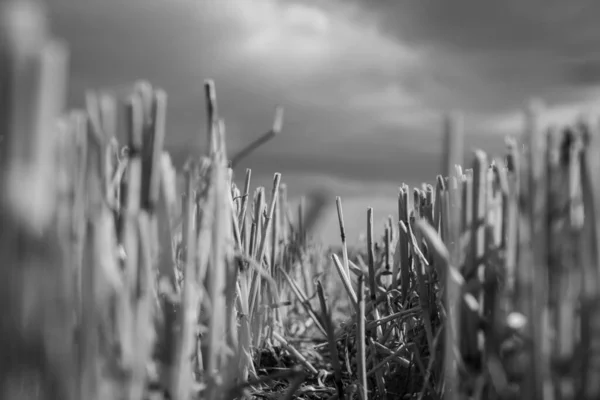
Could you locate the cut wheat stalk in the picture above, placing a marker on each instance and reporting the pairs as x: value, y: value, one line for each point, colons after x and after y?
x: 361, y: 340
x: 326, y: 316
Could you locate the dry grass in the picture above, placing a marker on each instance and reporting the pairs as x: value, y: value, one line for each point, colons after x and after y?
x: 484, y: 286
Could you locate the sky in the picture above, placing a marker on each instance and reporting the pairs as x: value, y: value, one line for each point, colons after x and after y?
x: 364, y: 83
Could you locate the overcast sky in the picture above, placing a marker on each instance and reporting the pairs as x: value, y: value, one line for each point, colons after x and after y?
x: 363, y: 82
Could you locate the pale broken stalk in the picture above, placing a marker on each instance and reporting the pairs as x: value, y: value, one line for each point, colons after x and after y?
x: 183, y: 377
x: 130, y: 231
x: 284, y: 343
x: 340, y: 213
x: 244, y: 205
x: 275, y: 130
x: 345, y: 279
x: 217, y: 283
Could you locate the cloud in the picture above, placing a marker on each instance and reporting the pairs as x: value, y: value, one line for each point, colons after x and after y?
x: 283, y: 34
x: 326, y: 62
x: 274, y: 30
x: 496, y: 55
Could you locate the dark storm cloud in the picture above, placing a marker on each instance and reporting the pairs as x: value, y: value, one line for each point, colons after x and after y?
x: 512, y: 48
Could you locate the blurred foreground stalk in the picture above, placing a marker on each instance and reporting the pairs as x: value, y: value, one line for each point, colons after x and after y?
x: 36, y: 357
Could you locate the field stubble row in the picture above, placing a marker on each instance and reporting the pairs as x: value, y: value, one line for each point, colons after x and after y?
x: 484, y: 286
